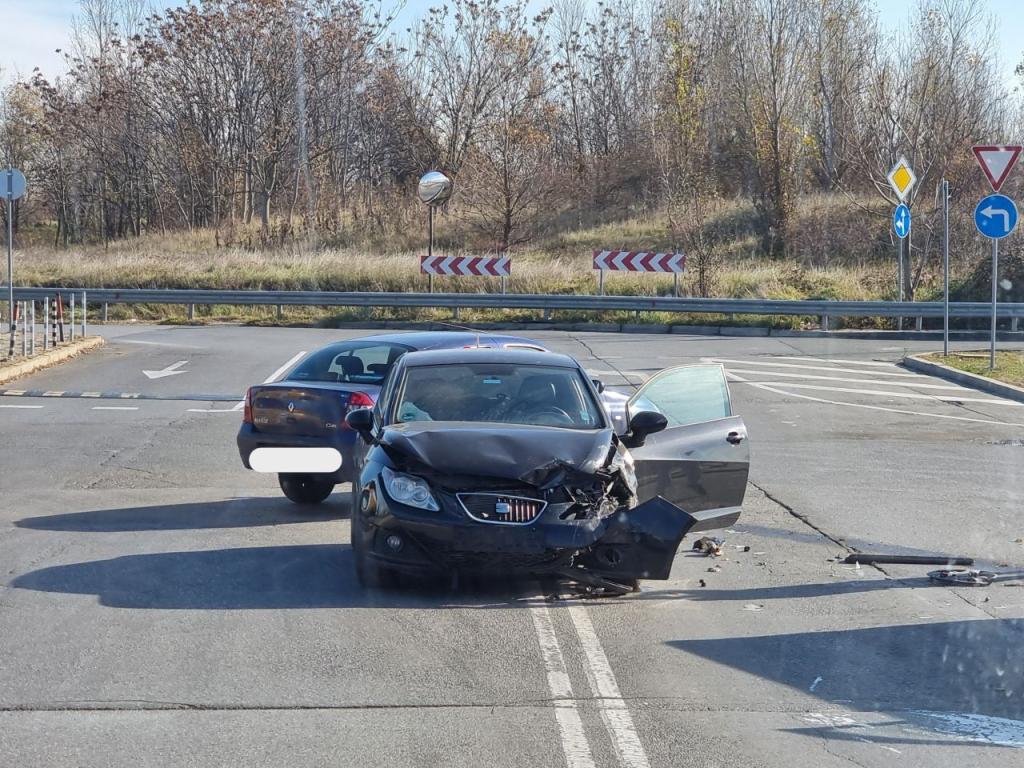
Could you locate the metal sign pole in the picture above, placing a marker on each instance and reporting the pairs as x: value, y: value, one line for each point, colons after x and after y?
x: 10, y: 249
x: 430, y: 245
x: 945, y: 267
x: 995, y: 285
x: 900, y: 319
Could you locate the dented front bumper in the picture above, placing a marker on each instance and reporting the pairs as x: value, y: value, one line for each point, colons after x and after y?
x: 637, y: 543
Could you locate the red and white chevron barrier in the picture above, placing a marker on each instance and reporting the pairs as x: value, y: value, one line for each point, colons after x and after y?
x: 469, y: 266
x: 639, y: 261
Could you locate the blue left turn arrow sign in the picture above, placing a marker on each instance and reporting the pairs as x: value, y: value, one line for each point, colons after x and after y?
x: 901, y: 221
x: 995, y: 216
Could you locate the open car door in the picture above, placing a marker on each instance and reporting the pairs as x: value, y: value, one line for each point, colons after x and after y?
x: 701, y: 459
x: 698, y: 466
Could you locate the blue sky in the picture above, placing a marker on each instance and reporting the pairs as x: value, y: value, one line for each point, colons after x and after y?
x: 30, y: 30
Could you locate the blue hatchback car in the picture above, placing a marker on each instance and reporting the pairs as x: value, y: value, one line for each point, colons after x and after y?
x: 306, y: 408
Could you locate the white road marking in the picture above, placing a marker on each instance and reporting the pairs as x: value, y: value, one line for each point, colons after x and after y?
x: 878, y: 363
x: 812, y: 367
x: 115, y: 407
x: 241, y: 403
x: 21, y: 406
x: 614, y: 711
x: 886, y: 393
x: 865, y: 406
x: 811, y: 376
x: 170, y: 370
x: 570, y: 726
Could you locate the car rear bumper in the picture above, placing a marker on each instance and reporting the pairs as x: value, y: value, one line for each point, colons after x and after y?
x: 249, y: 439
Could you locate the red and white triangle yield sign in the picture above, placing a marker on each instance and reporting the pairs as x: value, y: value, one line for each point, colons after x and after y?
x: 997, y: 161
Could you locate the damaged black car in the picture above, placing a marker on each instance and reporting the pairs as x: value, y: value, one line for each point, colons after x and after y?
x: 506, y: 460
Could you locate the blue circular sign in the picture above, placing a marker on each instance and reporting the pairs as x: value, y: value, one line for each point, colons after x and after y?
x: 901, y: 221
x: 996, y: 216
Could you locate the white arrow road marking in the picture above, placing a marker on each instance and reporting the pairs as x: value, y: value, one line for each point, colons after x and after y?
x: 170, y: 370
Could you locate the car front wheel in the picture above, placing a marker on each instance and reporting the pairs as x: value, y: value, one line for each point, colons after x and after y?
x: 305, y: 489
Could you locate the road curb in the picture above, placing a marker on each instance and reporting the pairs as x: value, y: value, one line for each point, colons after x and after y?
x: 1009, y: 391
x: 52, y: 357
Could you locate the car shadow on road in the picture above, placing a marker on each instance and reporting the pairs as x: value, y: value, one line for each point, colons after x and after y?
x: 227, y: 513
x: 277, y: 577
x: 946, y: 677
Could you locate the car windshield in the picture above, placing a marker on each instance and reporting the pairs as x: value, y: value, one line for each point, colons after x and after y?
x: 485, y: 392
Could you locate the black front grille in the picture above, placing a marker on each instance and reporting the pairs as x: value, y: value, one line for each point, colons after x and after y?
x: 499, y: 508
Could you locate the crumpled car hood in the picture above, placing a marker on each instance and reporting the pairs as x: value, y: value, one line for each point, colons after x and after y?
x: 528, y: 454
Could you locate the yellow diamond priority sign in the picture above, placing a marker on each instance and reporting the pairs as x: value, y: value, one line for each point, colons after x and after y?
x: 902, y: 178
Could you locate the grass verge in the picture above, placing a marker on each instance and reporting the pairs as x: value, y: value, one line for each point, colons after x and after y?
x: 1009, y: 365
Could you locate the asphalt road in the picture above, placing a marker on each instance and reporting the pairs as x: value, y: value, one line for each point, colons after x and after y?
x: 160, y: 605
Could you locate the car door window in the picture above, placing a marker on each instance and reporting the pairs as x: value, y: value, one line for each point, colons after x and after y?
x: 691, y: 394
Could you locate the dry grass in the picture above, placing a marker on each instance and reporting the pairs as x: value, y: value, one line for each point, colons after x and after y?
x: 560, y: 264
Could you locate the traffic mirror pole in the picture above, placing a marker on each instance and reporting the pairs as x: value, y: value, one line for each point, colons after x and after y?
x: 945, y: 268
x: 10, y: 253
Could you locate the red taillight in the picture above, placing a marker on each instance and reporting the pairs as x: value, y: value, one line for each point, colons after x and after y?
x: 247, y: 410
x: 357, y: 400
x: 360, y: 400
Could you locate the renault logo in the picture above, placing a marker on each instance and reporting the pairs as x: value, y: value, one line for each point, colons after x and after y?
x: 291, y: 407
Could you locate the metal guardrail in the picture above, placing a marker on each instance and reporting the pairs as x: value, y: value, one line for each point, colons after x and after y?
x: 551, y: 302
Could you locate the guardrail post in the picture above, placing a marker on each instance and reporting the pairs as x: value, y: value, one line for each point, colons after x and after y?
x: 920, y: 323
x: 72, y: 326
x: 1014, y: 324
x: 825, y: 323
x: 280, y: 311
x: 104, y: 311
x: 455, y: 313
x: 547, y: 314
x: 191, y: 311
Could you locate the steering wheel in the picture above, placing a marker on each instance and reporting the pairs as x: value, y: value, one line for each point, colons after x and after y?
x: 553, y: 410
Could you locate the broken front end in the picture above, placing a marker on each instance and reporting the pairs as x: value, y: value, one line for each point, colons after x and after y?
x: 427, y: 505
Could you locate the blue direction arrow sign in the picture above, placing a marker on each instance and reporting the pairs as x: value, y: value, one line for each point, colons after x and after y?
x: 901, y: 221
x: 996, y: 216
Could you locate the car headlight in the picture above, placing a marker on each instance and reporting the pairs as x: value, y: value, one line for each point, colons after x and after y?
x: 408, y: 489
x: 623, y: 462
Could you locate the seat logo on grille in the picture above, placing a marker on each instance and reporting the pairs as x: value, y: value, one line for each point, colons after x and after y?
x: 502, y: 508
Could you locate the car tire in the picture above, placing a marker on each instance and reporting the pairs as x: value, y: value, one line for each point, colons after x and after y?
x: 305, y: 489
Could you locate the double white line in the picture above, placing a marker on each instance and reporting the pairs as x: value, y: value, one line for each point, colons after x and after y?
x: 603, y: 687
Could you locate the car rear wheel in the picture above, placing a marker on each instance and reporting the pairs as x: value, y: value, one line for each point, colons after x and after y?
x: 305, y: 489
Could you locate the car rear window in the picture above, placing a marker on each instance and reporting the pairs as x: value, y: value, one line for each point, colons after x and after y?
x: 357, y: 362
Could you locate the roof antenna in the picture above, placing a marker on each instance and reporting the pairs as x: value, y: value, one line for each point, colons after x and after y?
x: 476, y: 331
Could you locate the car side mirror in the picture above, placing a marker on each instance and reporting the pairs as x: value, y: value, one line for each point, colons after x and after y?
x: 361, y: 420
x: 598, y: 385
x: 643, y: 424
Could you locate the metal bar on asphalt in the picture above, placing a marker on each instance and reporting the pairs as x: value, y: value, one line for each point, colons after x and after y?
x: 945, y: 267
